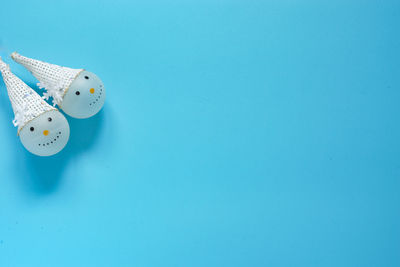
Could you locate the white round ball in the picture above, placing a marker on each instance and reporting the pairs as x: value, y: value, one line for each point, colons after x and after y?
x: 45, y: 135
x: 85, y: 96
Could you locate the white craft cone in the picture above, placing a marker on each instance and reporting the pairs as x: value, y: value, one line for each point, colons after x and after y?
x: 26, y: 103
x: 53, y: 78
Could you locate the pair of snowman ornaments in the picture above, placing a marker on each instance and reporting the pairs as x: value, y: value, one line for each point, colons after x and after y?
x: 42, y: 129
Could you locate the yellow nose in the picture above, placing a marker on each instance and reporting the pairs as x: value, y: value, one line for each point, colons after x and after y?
x: 46, y: 133
x: 92, y: 90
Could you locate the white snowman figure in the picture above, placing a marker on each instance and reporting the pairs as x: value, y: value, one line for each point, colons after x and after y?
x: 79, y: 93
x: 42, y: 129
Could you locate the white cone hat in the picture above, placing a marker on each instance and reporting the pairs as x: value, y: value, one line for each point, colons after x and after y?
x: 53, y: 78
x: 26, y: 103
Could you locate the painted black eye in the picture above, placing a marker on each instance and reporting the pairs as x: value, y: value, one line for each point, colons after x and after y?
x: 32, y: 129
x: 77, y: 93
x: 87, y: 77
x: 49, y: 119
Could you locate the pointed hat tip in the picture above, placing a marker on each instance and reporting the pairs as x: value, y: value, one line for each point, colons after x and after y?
x: 14, y: 55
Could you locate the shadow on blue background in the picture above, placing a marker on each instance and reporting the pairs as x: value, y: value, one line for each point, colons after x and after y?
x: 45, y: 173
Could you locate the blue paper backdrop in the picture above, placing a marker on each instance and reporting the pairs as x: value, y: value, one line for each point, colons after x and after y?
x: 235, y: 133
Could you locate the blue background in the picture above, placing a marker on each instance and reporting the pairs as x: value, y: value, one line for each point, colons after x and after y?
x: 235, y: 133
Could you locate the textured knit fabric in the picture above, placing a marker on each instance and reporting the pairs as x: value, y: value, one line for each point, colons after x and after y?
x: 53, y: 78
x: 26, y: 103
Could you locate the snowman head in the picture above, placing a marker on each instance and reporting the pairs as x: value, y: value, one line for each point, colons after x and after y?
x: 84, y: 97
x: 78, y: 92
x: 46, y: 134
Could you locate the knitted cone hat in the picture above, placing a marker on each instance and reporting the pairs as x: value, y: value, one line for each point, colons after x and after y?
x: 53, y: 78
x: 26, y: 103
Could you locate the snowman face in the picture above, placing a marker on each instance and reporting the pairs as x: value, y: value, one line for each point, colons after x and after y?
x: 45, y: 135
x: 85, y: 96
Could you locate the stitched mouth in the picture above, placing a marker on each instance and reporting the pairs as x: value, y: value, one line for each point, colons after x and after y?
x: 52, y: 141
x: 98, y: 97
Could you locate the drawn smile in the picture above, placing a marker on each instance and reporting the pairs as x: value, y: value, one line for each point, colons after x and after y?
x: 51, y: 141
x: 98, y: 96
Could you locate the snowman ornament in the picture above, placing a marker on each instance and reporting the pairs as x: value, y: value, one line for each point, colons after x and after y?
x: 79, y: 93
x: 42, y: 129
